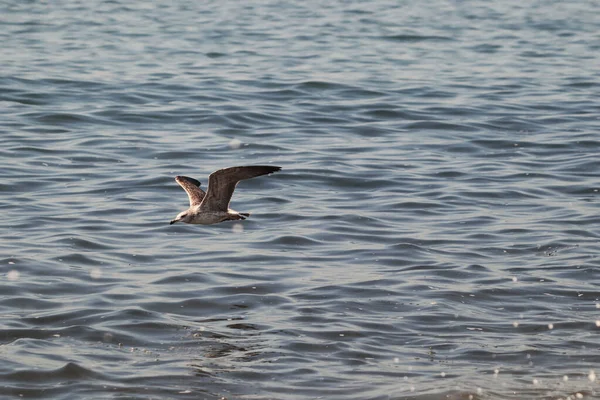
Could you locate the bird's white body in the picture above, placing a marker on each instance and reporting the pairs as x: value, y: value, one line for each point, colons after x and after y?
x: 211, y: 217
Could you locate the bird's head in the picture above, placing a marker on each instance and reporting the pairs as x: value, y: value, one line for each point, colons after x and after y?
x: 183, y: 216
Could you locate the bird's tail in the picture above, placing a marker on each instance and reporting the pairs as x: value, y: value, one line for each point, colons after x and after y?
x: 244, y: 215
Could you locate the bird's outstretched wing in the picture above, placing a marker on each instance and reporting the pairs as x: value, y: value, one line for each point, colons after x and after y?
x: 192, y: 188
x: 222, y: 183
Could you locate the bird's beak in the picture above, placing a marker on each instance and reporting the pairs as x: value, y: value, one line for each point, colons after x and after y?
x: 172, y: 222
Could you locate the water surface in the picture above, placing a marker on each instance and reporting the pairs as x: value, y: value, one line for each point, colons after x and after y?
x: 433, y: 234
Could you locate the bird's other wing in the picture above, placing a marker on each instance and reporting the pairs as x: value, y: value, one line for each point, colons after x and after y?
x: 192, y: 188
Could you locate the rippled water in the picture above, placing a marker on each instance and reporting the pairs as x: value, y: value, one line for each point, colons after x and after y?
x: 434, y: 232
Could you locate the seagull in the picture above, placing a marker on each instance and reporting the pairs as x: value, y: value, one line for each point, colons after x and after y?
x: 212, y: 207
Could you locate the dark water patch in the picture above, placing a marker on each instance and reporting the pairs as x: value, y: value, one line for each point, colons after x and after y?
x: 65, y: 119
x: 318, y: 86
x: 76, y: 258
x: 581, y: 84
x: 325, y: 120
x: 196, y: 278
x: 396, y: 114
x: 70, y: 317
x: 26, y: 303
x: 83, y: 244
x: 27, y: 99
x: 244, y: 327
x: 369, y: 130
x: 214, y: 54
x: 487, y: 48
x: 539, y: 54
x: 415, y: 38
x: 296, y: 241
x: 40, y: 150
x: 67, y: 372
x: 362, y: 93
x: 251, y: 118
x: 514, y: 124
x: 63, y: 83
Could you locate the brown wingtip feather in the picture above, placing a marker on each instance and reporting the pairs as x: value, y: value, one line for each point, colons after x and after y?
x: 269, y: 169
x: 264, y: 169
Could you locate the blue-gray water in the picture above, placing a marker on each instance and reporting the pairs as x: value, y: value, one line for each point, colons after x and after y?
x: 434, y: 232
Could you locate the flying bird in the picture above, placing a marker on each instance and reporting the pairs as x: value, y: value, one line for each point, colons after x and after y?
x: 212, y: 207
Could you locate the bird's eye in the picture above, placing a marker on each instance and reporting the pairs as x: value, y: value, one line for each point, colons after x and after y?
x: 184, y: 215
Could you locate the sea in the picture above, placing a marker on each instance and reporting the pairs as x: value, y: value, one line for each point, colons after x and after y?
x: 434, y: 233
